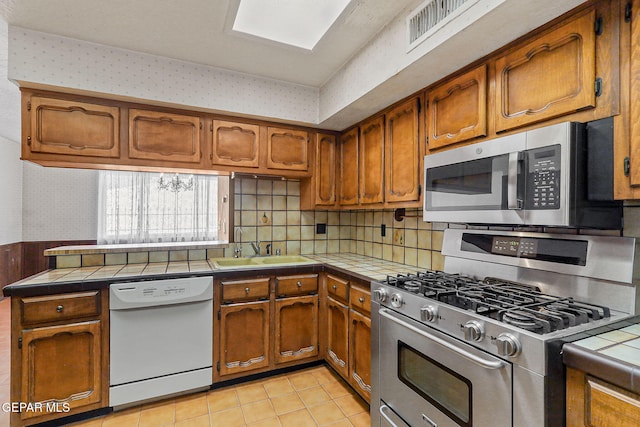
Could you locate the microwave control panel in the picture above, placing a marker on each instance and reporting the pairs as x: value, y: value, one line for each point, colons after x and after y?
x: 543, y: 178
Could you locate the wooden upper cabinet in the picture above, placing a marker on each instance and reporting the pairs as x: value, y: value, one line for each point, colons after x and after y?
x: 155, y: 135
x: 235, y: 144
x: 287, y: 149
x: 550, y: 76
x: 634, y: 101
x: 348, y: 168
x: 457, y: 109
x: 59, y: 126
x: 371, y: 163
x: 325, y: 170
x: 402, y: 153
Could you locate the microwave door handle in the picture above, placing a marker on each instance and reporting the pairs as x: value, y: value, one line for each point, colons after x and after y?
x: 513, y: 201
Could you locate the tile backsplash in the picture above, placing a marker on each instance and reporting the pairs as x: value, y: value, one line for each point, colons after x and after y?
x: 269, y: 212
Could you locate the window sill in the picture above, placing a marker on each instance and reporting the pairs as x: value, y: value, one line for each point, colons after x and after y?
x: 134, y: 247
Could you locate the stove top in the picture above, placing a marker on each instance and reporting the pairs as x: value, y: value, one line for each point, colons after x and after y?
x: 519, y: 305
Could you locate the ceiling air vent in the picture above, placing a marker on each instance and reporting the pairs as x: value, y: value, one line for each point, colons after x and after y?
x: 430, y: 16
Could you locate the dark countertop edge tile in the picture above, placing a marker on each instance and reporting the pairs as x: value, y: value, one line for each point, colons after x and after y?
x: 615, y: 371
x: 19, y: 290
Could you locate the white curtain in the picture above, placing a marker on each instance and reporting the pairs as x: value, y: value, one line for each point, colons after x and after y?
x: 133, y: 208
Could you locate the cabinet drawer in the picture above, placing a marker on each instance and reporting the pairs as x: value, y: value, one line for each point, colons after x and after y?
x: 337, y: 287
x: 52, y: 308
x: 296, y: 285
x: 360, y: 299
x: 243, y: 290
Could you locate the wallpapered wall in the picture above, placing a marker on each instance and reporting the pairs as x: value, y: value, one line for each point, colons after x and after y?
x: 10, y: 192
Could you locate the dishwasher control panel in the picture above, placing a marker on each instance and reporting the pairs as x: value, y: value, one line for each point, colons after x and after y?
x: 129, y: 295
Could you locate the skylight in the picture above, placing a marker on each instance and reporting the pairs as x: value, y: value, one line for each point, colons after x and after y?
x: 300, y: 23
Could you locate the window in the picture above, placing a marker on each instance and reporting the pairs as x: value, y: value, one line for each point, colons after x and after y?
x: 139, y: 207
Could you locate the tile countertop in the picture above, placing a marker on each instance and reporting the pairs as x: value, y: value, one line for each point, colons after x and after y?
x: 611, y: 353
x: 366, y: 267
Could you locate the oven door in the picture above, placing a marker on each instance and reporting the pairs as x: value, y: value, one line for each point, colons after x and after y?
x: 430, y: 379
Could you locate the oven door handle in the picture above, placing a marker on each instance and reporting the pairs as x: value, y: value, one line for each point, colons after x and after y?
x: 393, y: 423
x: 488, y: 364
x: 513, y: 201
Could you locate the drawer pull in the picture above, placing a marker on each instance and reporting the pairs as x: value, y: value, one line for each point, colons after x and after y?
x: 59, y: 308
x: 299, y: 283
x: 335, y: 287
x: 246, y: 290
x: 361, y: 299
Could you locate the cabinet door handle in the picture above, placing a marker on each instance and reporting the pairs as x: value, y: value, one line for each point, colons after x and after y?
x: 246, y: 290
x: 59, y: 308
x: 335, y: 287
x: 299, y: 283
x: 361, y: 299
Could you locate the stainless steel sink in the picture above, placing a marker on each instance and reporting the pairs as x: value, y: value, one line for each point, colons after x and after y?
x: 257, y: 262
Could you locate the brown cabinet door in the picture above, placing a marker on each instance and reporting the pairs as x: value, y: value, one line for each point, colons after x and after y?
x: 338, y: 336
x: 235, y: 144
x: 155, y: 135
x: 360, y: 354
x: 550, y: 76
x: 360, y: 300
x: 77, y: 128
x: 348, y: 168
x: 296, y: 328
x: 287, y: 149
x: 325, y: 170
x: 61, y: 365
x: 296, y: 285
x: 244, y: 337
x: 371, y: 163
x: 245, y: 290
x: 634, y: 105
x: 593, y: 402
x: 457, y: 109
x: 402, y: 160
x: 338, y: 288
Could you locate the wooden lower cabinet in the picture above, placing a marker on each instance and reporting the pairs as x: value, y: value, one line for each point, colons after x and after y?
x: 59, y: 355
x: 360, y: 353
x: 596, y: 403
x: 244, y: 337
x: 338, y: 336
x: 296, y: 328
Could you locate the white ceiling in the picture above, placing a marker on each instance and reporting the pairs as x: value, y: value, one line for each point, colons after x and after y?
x: 200, y: 31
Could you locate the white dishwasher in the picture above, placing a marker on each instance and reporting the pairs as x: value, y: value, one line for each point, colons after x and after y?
x: 161, y: 338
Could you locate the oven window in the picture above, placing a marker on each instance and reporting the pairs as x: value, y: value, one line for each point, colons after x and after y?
x: 443, y: 388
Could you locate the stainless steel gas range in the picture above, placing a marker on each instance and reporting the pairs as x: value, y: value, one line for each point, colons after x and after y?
x: 480, y: 343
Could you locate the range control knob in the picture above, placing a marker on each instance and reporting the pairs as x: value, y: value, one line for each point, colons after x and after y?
x: 380, y: 295
x: 429, y: 313
x: 508, y: 345
x: 396, y: 300
x: 473, y: 330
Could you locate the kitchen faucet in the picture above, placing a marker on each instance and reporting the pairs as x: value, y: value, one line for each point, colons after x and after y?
x: 237, y: 251
x: 256, y: 247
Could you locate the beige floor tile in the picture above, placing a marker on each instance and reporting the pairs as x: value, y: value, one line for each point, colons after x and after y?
x: 326, y: 413
x: 191, y: 407
x: 286, y: 403
x: 302, y: 381
x: 300, y: 418
x: 257, y: 411
x: 229, y: 418
x: 251, y: 393
x: 314, y: 396
x: 324, y: 375
x: 363, y: 419
x: 93, y: 422
x: 337, y: 389
x: 271, y: 422
x: 351, y: 405
x: 128, y: 418
x: 219, y: 400
x: 342, y: 423
x: 278, y: 387
x: 158, y: 415
x: 201, y: 421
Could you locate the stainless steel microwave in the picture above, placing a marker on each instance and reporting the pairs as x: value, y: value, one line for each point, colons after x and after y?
x: 559, y: 175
